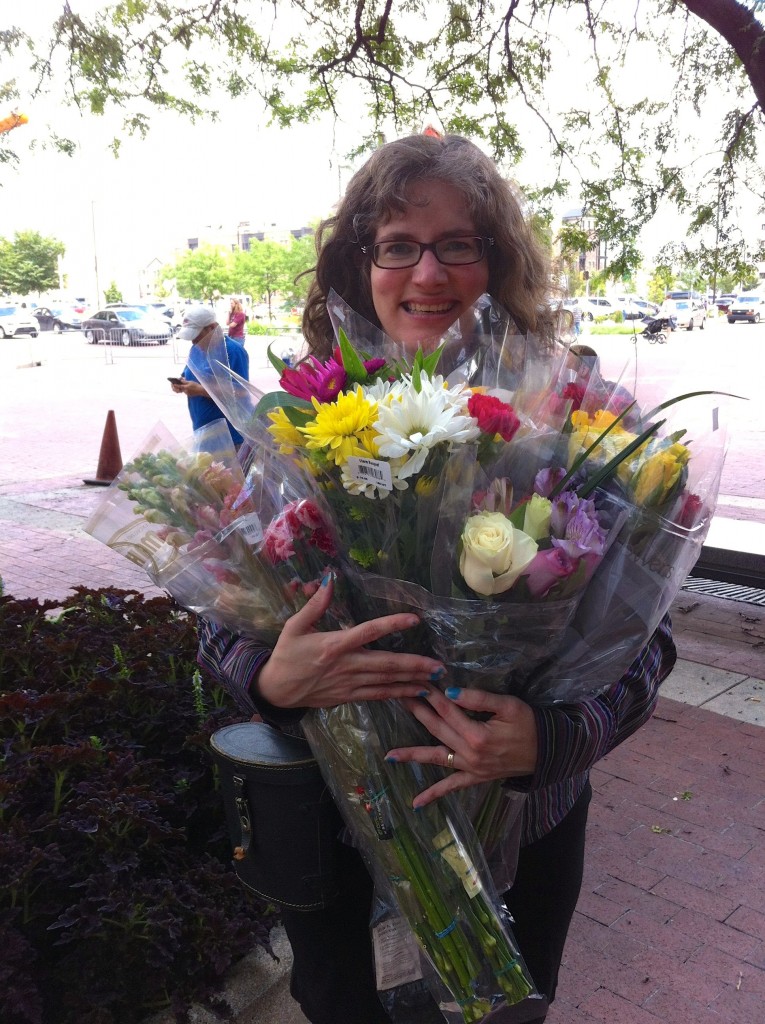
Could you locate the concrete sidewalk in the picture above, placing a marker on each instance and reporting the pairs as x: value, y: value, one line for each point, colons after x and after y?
x: 670, y: 926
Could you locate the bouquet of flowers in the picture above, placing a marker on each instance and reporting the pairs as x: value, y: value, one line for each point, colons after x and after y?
x: 242, y: 549
x: 467, y: 486
x: 218, y: 541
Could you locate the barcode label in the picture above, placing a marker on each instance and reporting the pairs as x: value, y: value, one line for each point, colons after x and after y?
x: 369, y: 471
x: 249, y: 526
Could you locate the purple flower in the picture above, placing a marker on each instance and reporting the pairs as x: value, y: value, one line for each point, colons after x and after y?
x: 373, y: 365
x: 548, y: 479
x: 546, y: 569
x: 583, y: 536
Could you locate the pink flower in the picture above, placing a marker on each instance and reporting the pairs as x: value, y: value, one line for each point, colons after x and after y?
x: 307, y: 514
x: 311, y: 378
x: 546, y: 569
x: 278, y: 542
x: 493, y: 416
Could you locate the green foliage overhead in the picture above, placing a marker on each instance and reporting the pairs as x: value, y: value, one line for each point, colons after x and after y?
x: 29, y: 263
x: 655, y: 72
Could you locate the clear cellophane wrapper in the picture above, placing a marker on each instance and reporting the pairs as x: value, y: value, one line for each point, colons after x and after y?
x: 427, y: 866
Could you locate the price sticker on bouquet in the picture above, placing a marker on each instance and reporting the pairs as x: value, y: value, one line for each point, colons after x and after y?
x: 248, y: 525
x: 369, y: 471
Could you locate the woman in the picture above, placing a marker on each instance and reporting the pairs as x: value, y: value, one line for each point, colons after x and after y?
x: 236, y: 321
x: 425, y: 228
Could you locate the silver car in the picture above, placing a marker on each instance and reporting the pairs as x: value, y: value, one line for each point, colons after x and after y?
x: 127, y: 326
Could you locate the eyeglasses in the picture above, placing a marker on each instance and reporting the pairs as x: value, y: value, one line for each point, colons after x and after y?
x: 398, y: 254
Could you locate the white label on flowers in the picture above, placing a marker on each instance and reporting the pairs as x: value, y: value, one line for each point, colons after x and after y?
x: 455, y: 855
x: 369, y: 471
x: 249, y: 526
x: 397, y: 956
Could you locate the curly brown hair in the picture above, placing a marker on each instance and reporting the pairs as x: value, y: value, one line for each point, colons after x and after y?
x: 519, y: 272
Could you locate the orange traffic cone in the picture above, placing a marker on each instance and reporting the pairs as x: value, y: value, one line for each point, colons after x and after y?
x: 110, y: 457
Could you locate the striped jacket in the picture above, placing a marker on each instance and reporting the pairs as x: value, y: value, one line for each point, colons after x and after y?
x: 572, y: 737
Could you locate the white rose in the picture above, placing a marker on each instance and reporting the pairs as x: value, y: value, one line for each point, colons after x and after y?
x: 494, y: 553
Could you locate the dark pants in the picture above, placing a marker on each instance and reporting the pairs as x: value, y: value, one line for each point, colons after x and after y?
x: 333, y: 974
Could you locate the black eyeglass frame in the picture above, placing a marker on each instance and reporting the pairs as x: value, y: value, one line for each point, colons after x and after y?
x: 486, y: 243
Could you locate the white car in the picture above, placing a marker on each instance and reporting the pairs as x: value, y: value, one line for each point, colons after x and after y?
x: 15, y: 320
x: 687, y: 313
x: 748, y: 307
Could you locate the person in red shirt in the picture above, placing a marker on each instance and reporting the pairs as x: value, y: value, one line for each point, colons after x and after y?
x: 236, y: 321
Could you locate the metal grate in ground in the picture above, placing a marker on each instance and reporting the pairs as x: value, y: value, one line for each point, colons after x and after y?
x: 729, y: 591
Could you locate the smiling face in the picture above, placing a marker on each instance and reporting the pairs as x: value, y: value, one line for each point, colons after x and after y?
x: 417, y: 304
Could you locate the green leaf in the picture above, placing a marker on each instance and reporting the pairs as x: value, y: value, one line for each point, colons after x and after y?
x: 278, y: 364
x: 582, y: 458
x: 689, y: 394
x: 613, y: 464
x: 351, y: 362
x: 282, y: 400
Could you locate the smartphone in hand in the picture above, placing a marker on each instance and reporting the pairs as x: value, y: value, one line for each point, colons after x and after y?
x: 176, y: 380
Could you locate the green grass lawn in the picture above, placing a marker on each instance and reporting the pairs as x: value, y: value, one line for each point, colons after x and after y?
x: 611, y: 328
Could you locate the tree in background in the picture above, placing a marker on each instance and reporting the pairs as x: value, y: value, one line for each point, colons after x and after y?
x: 202, y: 273
x: 112, y: 293
x: 264, y: 271
x: 504, y: 73
x: 29, y: 263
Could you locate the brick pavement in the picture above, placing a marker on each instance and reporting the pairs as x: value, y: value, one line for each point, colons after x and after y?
x: 670, y: 926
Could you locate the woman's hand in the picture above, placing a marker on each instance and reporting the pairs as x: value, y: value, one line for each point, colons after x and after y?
x: 314, y: 669
x: 503, y: 746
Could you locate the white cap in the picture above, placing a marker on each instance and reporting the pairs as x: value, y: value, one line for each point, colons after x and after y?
x: 195, y: 319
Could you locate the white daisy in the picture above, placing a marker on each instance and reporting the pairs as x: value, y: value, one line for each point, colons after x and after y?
x: 414, y: 422
x: 382, y: 390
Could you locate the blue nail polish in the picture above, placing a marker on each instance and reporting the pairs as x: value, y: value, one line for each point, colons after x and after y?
x: 424, y: 693
x: 391, y: 759
x: 327, y: 579
x: 437, y: 674
x: 453, y: 692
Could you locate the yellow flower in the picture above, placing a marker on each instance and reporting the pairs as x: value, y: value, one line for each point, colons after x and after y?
x: 587, y: 430
x: 425, y: 486
x: 657, y: 474
x: 343, y: 428
x: 285, y: 433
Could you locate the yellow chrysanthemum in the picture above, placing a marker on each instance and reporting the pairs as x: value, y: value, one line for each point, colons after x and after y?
x: 343, y: 428
x: 285, y: 433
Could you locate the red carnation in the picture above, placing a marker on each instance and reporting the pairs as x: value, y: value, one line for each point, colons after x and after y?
x: 494, y: 416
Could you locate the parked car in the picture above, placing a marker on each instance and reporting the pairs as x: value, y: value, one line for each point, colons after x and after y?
x: 57, y: 320
x: 749, y: 307
x: 15, y: 320
x: 126, y: 326
x: 634, y: 308
x: 593, y: 307
x: 723, y: 302
x: 687, y: 313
